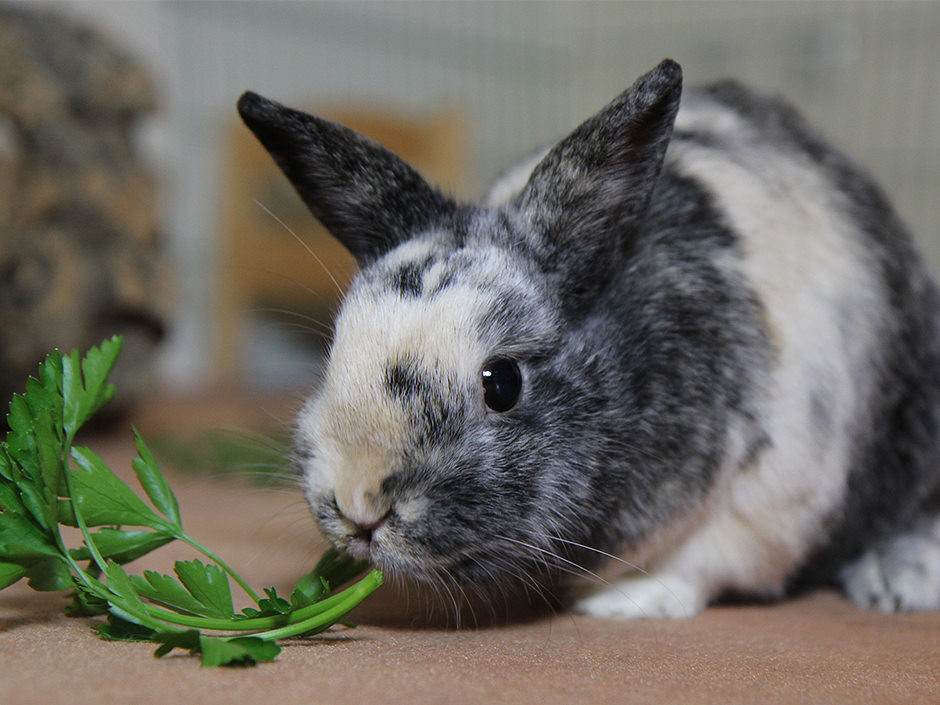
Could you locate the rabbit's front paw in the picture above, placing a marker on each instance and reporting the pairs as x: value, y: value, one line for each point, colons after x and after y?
x: 649, y: 597
x: 901, y: 575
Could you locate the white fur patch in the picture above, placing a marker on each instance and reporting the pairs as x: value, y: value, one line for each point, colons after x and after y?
x: 356, y: 426
x: 807, y: 266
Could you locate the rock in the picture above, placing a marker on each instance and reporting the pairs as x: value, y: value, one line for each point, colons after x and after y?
x: 81, y: 256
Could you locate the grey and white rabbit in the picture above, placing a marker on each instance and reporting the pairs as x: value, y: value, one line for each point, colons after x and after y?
x: 694, y: 337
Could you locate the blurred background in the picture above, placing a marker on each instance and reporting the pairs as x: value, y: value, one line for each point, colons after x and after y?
x: 459, y: 88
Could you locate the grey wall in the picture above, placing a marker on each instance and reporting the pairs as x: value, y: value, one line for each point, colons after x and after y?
x: 522, y: 73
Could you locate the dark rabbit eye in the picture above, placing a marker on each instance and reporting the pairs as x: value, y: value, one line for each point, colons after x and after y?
x: 502, y: 384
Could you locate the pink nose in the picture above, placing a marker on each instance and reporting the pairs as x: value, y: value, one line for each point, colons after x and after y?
x: 365, y: 530
x: 361, y: 535
x: 361, y: 507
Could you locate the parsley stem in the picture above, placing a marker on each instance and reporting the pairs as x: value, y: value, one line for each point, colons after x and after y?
x: 79, y: 519
x: 101, y: 590
x: 212, y: 623
x: 350, y: 597
x: 354, y: 595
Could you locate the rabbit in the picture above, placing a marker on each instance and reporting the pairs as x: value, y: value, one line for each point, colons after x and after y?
x: 690, y: 340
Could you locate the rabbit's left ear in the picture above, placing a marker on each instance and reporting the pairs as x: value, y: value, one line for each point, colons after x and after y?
x: 367, y: 197
x: 588, y: 195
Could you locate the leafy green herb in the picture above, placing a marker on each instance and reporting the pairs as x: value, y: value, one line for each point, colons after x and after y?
x: 46, y: 481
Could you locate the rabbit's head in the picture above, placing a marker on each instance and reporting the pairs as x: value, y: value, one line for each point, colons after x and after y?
x: 471, y: 426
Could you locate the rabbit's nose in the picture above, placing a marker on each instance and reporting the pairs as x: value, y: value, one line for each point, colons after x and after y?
x: 361, y: 534
x: 360, y: 499
x: 363, y: 510
x: 365, y: 532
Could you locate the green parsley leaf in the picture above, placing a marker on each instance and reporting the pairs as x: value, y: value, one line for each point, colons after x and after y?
x: 217, y: 651
x: 273, y: 602
x: 167, y: 591
x: 21, y: 538
x: 125, y: 601
x: 49, y: 575
x: 118, y: 629
x: 238, y: 651
x: 208, y: 584
x: 9, y: 495
x: 104, y: 499
x: 10, y: 573
x: 85, y: 603
x: 123, y: 546
x: 83, y: 383
x: 40, y: 490
x: 154, y: 484
x: 332, y: 570
x: 168, y: 641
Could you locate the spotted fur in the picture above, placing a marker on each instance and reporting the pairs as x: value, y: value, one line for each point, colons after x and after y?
x: 728, y: 345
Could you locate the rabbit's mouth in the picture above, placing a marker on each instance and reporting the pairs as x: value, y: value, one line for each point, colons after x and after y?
x: 364, y: 539
x: 409, y: 541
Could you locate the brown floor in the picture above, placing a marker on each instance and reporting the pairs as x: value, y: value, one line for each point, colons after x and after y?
x: 818, y: 649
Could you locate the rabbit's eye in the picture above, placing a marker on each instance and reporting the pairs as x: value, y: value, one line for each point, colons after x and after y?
x: 502, y: 384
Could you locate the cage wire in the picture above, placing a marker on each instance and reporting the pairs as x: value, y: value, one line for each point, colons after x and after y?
x: 524, y: 73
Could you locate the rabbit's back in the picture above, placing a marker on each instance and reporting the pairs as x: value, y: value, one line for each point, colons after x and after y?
x: 849, y: 401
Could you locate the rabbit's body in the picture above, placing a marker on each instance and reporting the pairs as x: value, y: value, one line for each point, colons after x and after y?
x: 830, y: 440
x: 718, y: 360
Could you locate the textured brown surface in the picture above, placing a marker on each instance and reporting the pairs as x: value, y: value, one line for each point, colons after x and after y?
x: 818, y: 649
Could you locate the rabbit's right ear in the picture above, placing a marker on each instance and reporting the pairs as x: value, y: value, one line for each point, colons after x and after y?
x: 366, y: 196
x: 589, y: 194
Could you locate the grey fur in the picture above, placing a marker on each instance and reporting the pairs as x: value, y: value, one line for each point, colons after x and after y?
x: 652, y: 356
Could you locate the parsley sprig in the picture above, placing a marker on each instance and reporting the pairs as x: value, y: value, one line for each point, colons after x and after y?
x: 46, y: 482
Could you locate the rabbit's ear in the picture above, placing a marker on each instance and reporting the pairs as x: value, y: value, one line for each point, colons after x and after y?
x: 590, y: 192
x: 366, y: 196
